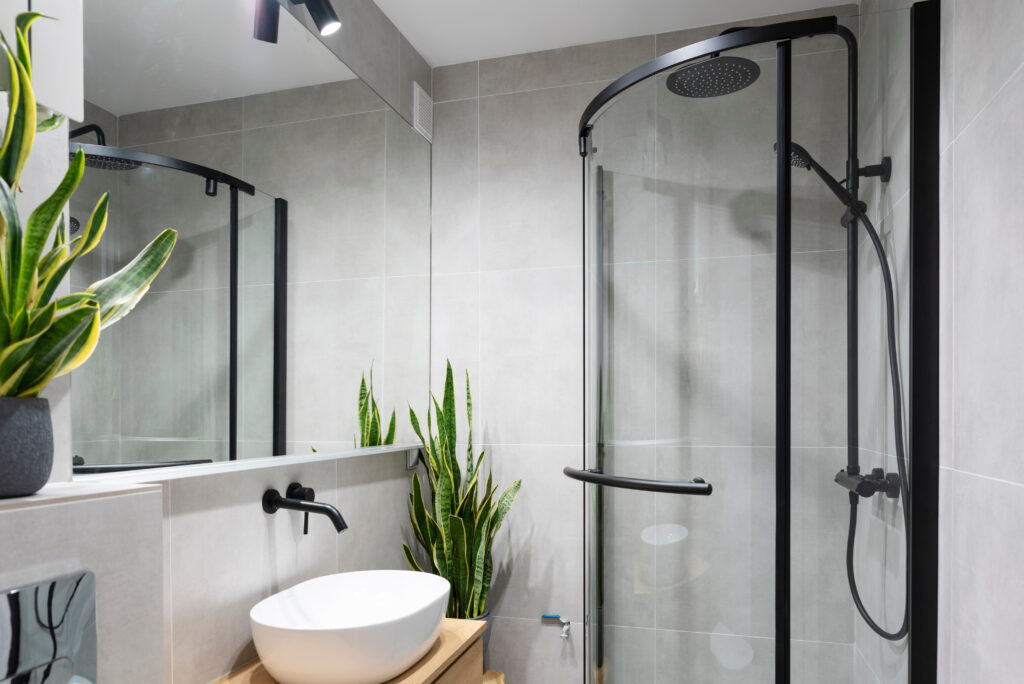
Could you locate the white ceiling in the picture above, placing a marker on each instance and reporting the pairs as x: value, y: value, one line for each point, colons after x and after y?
x: 453, y: 31
x: 152, y: 54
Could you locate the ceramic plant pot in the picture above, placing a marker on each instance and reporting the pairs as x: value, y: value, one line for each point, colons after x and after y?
x: 26, y: 445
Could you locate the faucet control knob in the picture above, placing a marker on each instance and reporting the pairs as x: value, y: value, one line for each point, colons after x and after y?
x: 297, y: 491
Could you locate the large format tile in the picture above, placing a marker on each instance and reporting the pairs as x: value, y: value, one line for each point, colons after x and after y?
x: 530, y: 356
x: 564, y: 66
x: 532, y: 650
x: 404, y: 376
x: 412, y: 68
x: 538, y: 552
x: 227, y: 555
x: 455, y: 335
x: 713, y: 657
x: 456, y: 82
x: 713, y: 579
x: 335, y: 331
x: 988, y: 52
x: 311, y: 102
x: 814, y: 662
x: 187, y: 121
x: 455, y: 181
x: 118, y: 539
x: 628, y: 656
x: 332, y: 172
x: 373, y: 497
x: 985, y: 629
x: 407, y: 208
x: 988, y: 247
x: 529, y: 178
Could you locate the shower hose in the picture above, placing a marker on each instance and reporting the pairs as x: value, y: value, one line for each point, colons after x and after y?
x: 857, y: 210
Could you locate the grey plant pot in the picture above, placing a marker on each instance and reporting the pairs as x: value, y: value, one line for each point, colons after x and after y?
x: 26, y: 445
x: 486, y: 619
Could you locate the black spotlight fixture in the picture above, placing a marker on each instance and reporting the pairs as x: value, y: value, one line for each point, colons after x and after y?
x: 323, y: 14
x: 268, y: 12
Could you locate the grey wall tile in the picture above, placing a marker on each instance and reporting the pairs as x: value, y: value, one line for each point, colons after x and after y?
x: 537, y: 557
x: 629, y: 655
x: 988, y: 319
x: 987, y: 586
x: 335, y: 331
x: 227, y: 554
x: 404, y: 371
x: 564, y: 66
x: 412, y: 68
x: 373, y: 496
x: 311, y: 102
x: 48, y: 541
x: 814, y: 661
x: 718, y: 657
x: 180, y: 122
x: 529, y: 178
x: 529, y: 356
x: 456, y: 81
x: 407, y: 208
x: 94, y: 114
x: 455, y: 336
x: 988, y: 53
x: 455, y: 178
x: 533, y: 651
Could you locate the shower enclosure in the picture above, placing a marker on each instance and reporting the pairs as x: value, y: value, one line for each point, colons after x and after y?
x: 761, y: 360
x: 196, y: 372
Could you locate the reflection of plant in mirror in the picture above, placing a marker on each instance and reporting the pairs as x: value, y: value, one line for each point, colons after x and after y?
x: 369, y: 418
x: 458, y: 525
x: 43, y: 336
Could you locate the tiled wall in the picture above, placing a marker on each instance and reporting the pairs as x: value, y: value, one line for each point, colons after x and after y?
x: 506, y: 305
x: 356, y: 177
x: 982, y: 505
x: 222, y: 554
x: 118, y: 539
x: 880, y: 551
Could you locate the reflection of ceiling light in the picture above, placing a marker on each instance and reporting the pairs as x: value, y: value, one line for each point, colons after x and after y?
x: 323, y: 15
x: 269, y: 11
x: 267, y: 14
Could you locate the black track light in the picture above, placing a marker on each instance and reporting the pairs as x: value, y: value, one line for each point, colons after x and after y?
x: 323, y: 14
x: 268, y: 12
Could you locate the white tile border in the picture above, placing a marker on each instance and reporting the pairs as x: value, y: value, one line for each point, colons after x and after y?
x: 66, y: 492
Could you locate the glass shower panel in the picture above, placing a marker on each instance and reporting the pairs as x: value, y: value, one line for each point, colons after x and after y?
x: 256, y: 259
x: 680, y: 299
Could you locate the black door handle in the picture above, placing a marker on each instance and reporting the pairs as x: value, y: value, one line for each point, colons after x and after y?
x: 697, y: 486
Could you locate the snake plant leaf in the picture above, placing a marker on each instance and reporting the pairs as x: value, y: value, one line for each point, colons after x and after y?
x: 38, y: 228
x: 52, y: 348
x: 8, y: 383
x: 459, y: 559
x: 22, y: 23
x: 389, y: 438
x: 51, y: 122
x: 419, y: 510
x: 117, y: 294
x: 95, y: 227
x: 488, y: 578
x: 81, y: 245
x: 448, y: 402
x: 469, y: 431
x: 410, y: 560
x: 21, y: 120
x: 11, y: 222
x: 14, y: 355
x: 480, y: 553
x: 508, y: 498
x: 81, y: 349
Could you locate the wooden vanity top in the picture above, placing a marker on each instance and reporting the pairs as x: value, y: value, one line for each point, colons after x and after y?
x: 455, y: 639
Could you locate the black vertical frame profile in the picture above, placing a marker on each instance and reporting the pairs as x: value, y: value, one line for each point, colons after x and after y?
x: 233, y: 331
x: 923, y: 562
x: 783, y: 339
x: 280, y: 325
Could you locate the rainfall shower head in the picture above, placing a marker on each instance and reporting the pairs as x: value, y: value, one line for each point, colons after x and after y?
x: 99, y: 161
x: 713, y: 77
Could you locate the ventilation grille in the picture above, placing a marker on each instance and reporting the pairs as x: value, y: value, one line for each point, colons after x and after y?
x: 422, y: 112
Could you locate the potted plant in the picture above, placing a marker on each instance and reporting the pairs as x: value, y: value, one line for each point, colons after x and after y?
x: 44, y: 335
x: 456, y: 520
x: 370, y: 433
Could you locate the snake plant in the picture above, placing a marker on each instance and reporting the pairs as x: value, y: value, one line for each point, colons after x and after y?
x: 457, y: 520
x: 44, y: 335
x: 369, y: 418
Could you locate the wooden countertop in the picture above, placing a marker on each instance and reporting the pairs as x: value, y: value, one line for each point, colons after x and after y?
x: 455, y: 638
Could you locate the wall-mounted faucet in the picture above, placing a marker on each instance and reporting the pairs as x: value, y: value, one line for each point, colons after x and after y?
x: 300, y: 498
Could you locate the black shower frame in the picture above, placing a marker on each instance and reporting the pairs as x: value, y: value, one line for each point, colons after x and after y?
x: 923, y: 414
x: 213, y: 177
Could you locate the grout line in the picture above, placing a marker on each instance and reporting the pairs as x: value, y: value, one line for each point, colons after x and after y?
x: 864, y: 659
x: 988, y: 103
x: 982, y: 477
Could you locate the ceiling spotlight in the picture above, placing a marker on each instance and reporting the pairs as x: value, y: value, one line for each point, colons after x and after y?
x: 268, y: 12
x: 323, y: 15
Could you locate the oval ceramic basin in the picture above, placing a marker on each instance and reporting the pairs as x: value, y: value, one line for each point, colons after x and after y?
x: 350, y: 628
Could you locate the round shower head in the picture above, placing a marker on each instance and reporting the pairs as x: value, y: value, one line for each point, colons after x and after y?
x: 713, y: 77
x: 99, y: 161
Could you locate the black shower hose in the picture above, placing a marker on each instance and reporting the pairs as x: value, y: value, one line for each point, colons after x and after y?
x: 901, y: 456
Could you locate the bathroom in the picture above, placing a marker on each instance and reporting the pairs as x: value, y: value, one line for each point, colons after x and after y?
x: 541, y: 343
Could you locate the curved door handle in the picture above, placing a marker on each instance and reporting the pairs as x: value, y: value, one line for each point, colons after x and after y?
x: 696, y: 487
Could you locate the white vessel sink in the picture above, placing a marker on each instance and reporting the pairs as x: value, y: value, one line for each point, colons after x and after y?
x: 349, y: 628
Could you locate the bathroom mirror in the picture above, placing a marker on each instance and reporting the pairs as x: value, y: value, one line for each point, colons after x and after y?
x: 302, y: 202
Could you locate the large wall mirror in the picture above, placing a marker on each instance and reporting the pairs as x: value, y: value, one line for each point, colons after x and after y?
x: 302, y: 202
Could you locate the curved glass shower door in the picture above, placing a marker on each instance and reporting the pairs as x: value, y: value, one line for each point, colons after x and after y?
x: 680, y: 305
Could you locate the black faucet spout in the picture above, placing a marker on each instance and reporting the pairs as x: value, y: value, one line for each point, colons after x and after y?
x: 301, y: 499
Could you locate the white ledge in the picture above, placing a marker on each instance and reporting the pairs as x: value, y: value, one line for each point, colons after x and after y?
x: 157, y: 475
x: 67, y: 492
